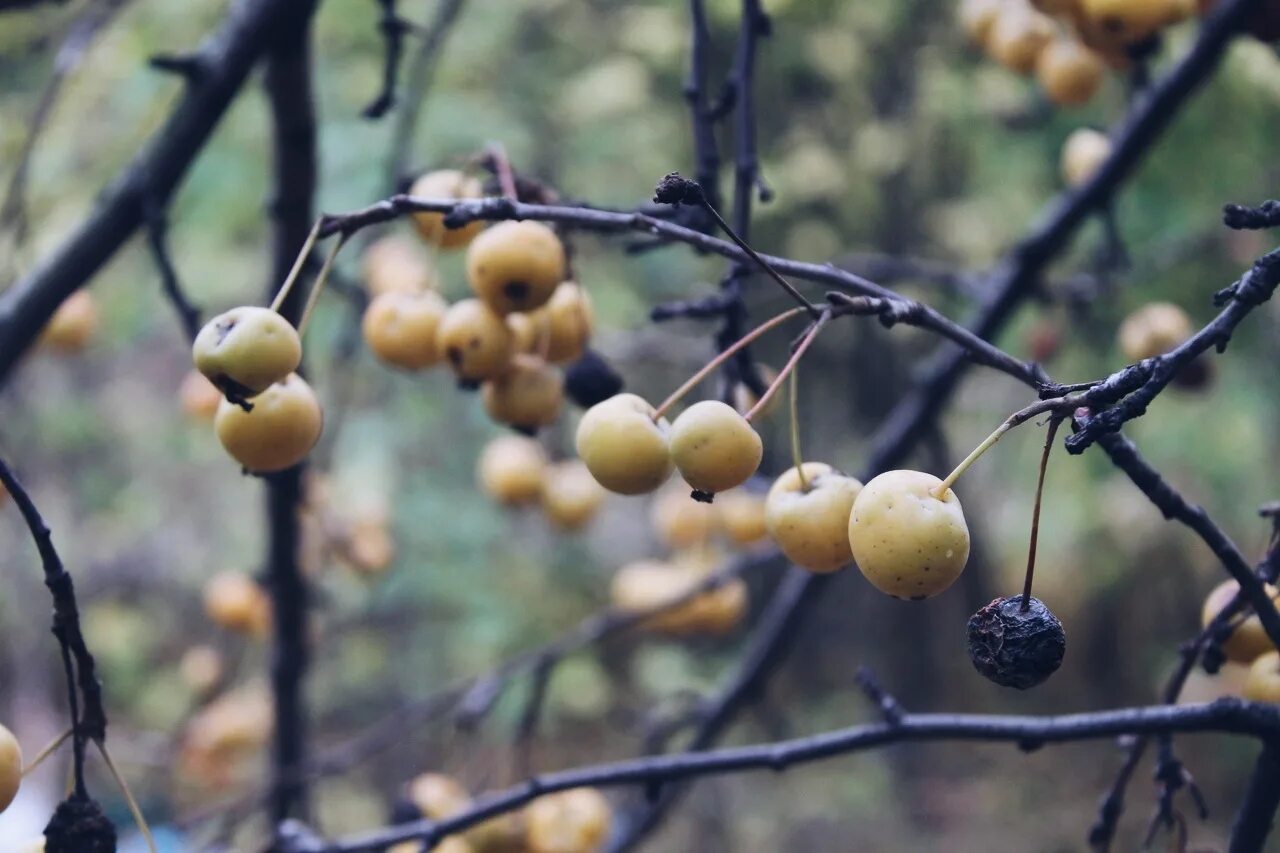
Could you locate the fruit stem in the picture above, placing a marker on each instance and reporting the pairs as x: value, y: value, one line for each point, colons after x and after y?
x: 1035, y: 514
x: 789, y: 368
x: 790, y: 288
x: 796, y: 458
x: 283, y: 293
x: 720, y: 359
x: 314, y: 295
x: 46, y: 752
x: 134, y: 809
x: 1017, y: 418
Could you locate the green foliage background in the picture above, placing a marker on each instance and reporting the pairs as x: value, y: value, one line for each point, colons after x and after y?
x: 880, y: 130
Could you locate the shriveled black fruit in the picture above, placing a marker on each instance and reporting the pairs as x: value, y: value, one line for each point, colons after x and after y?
x: 1013, y: 647
x: 591, y: 380
x: 79, y: 826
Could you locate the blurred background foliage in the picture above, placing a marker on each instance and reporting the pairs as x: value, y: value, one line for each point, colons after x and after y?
x: 880, y: 130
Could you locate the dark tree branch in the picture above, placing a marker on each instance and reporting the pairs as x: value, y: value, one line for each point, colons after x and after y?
x: 158, y: 240
x: 417, y: 81
x: 75, y: 45
x: 1244, y: 218
x: 393, y: 29
x: 88, y: 717
x: 288, y: 86
x: 251, y: 26
x: 1257, y: 813
x: 190, y: 67
x: 1230, y: 716
x: 706, y: 151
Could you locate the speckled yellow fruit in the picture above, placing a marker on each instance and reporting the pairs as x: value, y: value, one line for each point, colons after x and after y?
x: 646, y: 585
x: 395, y: 264
x: 515, y: 266
x: 741, y: 515
x: 1017, y: 37
x: 1262, y: 684
x: 569, y: 321
x: 714, y: 447
x: 623, y: 447
x: 1069, y: 72
x: 571, y: 497
x: 678, y: 520
x: 247, y: 349
x: 1083, y: 154
x: 1153, y: 330
x: 199, y: 396
x: 201, y: 668
x: 511, y: 469
x: 573, y: 821
x: 400, y: 328
x: 236, y: 602
x: 812, y: 527
x: 907, y: 542
x: 437, y: 796
x: 445, y: 185
x: 72, y: 325
x: 475, y: 342
x: 977, y: 17
x: 527, y: 396
x: 1248, y: 640
x: 278, y: 432
x: 1133, y: 20
x: 526, y: 331
x: 10, y: 767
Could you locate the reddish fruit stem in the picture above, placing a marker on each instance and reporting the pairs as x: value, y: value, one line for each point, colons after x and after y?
x: 1035, y: 514
x: 788, y: 367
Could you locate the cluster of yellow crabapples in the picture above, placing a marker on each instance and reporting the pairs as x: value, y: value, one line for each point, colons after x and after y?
x: 523, y: 319
x: 1247, y: 644
x: 1068, y: 45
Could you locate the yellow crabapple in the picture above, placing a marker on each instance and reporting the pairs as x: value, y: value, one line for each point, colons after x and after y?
x: 714, y: 447
x: 396, y: 264
x: 400, y: 328
x: 570, y: 495
x: 1153, y: 330
x: 1262, y: 684
x: 977, y: 17
x: 247, y: 349
x: 10, y: 767
x: 278, y: 432
x: 515, y: 266
x: 1133, y: 20
x: 908, y: 542
x: 511, y: 469
x: 201, y: 668
x: 741, y: 515
x: 811, y: 525
x: 1083, y: 154
x: 678, y: 520
x: 572, y: 821
x: 199, y: 396
x: 72, y: 324
x: 447, y: 185
x: 569, y: 320
x: 623, y: 447
x: 1017, y: 37
x: 1248, y: 639
x: 438, y: 796
x: 527, y: 396
x: 1069, y: 72
x: 475, y: 341
x: 526, y: 331
x: 236, y: 602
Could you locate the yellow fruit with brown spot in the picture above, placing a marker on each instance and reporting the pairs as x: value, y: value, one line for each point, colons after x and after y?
x: 446, y: 185
x: 278, y: 432
x: 527, y: 396
x: 476, y: 343
x: 246, y: 350
x: 515, y: 266
x: 400, y: 328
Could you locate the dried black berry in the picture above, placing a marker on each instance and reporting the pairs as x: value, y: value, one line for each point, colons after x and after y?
x: 1013, y: 647
x: 79, y: 826
x: 591, y: 380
